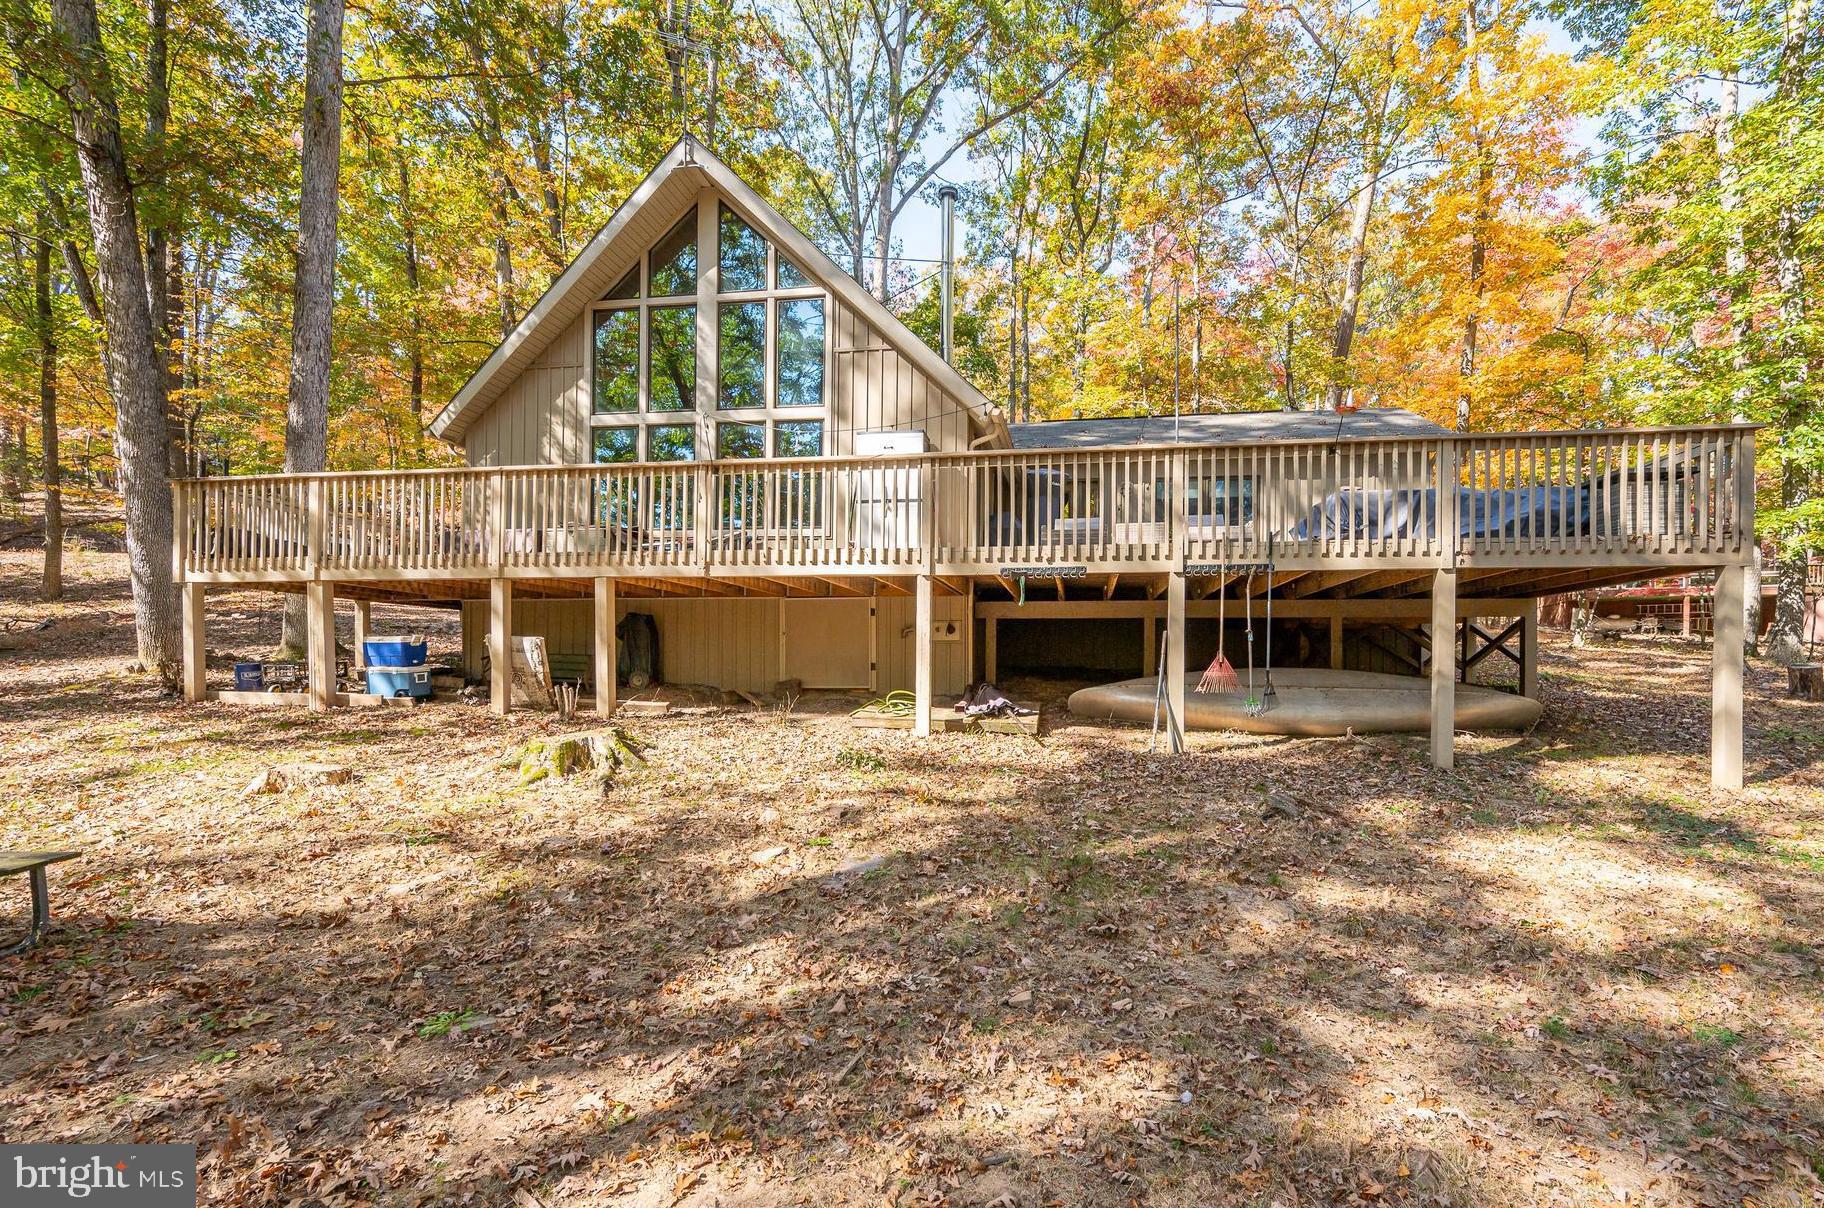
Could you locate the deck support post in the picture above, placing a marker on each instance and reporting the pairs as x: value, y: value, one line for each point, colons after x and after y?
x: 320, y: 643
x: 1529, y: 650
x: 1149, y: 646
x: 991, y: 652
x: 607, y: 653
x: 968, y: 633
x: 1443, y: 668
x: 1174, y: 662
x: 1726, y: 650
x: 921, y: 672
x: 195, y: 651
x: 500, y: 646
x: 364, y: 629
x: 1336, y: 642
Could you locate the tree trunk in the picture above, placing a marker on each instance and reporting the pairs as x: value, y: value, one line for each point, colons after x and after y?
x: 1478, y: 234
x: 1583, y: 621
x: 13, y: 460
x: 554, y: 215
x: 1751, y: 602
x: 503, y: 258
x: 409, y: 223
x: 51, y: 587
x: 163, y: 292
x: 313, y: 290
x: 1786, y: 637
x: 1344, y: 335
x: 133, y: 373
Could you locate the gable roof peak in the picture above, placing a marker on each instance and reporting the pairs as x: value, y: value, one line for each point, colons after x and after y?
x: 584, y: 280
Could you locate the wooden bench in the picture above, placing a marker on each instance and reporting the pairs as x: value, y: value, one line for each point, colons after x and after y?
x: 33, y: 864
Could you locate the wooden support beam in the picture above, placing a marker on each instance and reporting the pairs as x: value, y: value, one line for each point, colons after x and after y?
x: 844, y: 588
x: 1325, y: 580
x: 991, y: 670
x: 500, y: 646
x: 921, y: 672
x: 606, y: 653
x: 320, y: 644
x: 1443, y: 669
x: 1492, y: 643
x: 364, y: 628
x: 1529, y: 651
x: 969, y: 636
x: 195, y: 649
x: 1108, y: 587
x: 1393, y: 582
x: 1149, y: 645
x: 1336, y: 642
x: 1174, y: 662
x: 1726, y: 653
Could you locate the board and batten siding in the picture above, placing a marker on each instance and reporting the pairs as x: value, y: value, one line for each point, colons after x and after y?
x: 542, y: 418
x: 717, y: 641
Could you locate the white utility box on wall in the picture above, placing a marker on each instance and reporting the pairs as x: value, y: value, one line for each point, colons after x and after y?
x: 889, y: 501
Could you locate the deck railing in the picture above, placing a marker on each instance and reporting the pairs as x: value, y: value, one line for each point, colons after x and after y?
x: 1638, y: 497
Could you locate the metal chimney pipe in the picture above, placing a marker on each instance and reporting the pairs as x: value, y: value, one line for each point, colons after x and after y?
x: 946, y: 272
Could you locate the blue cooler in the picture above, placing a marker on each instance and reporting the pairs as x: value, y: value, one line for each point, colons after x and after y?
x: 249, y: 677
x: 394, y: 652
x: 399, y: 681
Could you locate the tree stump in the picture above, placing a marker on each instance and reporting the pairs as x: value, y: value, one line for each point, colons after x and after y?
x: 1805, y: 680
x: 601, y: 753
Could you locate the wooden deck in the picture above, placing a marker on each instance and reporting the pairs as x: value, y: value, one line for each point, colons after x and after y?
x: 1528, y: 513
x: 1431, y: 531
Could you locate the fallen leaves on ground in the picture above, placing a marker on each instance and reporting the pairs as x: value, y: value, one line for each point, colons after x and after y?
x: 790, y: 962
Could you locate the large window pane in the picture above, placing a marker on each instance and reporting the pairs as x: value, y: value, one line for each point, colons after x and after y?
x: 617, y: 360
x: 671, y: 442
x: 800, y: 366
x: 743, y: 254
x: 798, y: 438
x: 800, y: 502
x: 789, y: 274
x: 674, y: 261
x: 740, y: 440
x: 743, y: 354
x: 616, y: 445
x: 612, y: 497
x: 671, y: 358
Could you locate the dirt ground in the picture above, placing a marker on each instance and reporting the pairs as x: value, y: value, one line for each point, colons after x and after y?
x: 786, y: 962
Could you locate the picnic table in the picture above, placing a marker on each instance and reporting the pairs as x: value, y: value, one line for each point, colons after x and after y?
x: 33, y: 864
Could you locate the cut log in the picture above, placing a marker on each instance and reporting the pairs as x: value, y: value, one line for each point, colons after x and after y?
x: 277, y: 780
x: 1805, y: 680
x: 531, y: 675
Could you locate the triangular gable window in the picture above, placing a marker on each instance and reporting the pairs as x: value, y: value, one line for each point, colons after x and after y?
x: 743, y: 254
x: 674, y: 260
x: 627, y: 287
x: 791, y: 276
